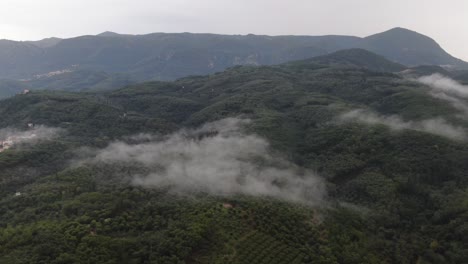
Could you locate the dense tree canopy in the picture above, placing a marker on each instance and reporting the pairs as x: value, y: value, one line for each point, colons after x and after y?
x: 394, y: 196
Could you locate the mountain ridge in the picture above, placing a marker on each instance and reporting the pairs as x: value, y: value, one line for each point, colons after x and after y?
x: 168, y: 56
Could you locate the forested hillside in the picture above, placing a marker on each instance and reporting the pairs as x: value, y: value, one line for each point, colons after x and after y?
x: 368, y: 167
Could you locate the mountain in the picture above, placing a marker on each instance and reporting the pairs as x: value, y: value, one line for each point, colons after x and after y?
x: 410, y: 48
x: 161, y: 56
x: 393, y: 157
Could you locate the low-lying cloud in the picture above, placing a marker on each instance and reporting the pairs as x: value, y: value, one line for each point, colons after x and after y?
x: 444, y: 84
x: 11, y: 136
x: 437, y: 126
x: 448, y: 90
x: 219, y: 158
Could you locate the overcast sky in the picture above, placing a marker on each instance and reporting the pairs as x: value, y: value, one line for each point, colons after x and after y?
x: 445, y: 21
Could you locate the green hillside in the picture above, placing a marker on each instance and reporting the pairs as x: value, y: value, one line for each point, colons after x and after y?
x: 396, y: 185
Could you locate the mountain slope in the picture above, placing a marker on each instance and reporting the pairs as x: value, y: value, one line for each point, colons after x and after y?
x: 395, y: 195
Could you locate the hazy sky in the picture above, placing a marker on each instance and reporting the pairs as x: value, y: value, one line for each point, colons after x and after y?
x: 445, y: 21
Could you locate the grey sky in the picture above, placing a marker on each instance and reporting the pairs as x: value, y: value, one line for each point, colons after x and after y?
x: 445, y: 21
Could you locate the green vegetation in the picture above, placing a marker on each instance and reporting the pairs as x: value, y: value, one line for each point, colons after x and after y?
x: 394, y: 196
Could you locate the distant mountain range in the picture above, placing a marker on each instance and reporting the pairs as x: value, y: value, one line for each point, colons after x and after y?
x: 162, y: 56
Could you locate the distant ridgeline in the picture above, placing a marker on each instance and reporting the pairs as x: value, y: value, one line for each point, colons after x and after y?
x: 111, y: 60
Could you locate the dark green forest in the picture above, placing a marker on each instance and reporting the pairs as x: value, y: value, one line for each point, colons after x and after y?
x: 393, y: 196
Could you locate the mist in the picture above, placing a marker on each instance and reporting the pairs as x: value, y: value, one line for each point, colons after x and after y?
x: 444, y: 84
x: 29, y: 136
x: 448, y: 90
x: 219, y: 158
x: 436, y: 126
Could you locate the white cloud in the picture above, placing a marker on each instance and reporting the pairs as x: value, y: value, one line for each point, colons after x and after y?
x: 219, y: 158
x: 440, y: 83
x: 13, y: 137
x: 436, y: 126
x: 448, y: 90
